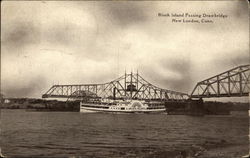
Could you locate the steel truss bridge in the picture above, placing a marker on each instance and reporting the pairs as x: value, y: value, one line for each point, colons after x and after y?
x: 130, y: 86
x: 231, y: 83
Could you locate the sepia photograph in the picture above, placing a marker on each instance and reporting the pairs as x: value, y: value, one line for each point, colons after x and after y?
x: 125, y: 79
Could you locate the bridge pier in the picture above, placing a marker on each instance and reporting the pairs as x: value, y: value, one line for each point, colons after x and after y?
x: 195, y: 107
x: 189, y: 107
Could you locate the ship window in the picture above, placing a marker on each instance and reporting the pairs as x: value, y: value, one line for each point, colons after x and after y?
x: 122, y: 108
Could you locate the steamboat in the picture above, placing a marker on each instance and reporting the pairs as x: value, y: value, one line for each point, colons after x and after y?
x: 122, y: 106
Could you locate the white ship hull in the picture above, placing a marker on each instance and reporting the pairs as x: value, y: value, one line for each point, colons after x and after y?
x: 92, y: 110
x: 129, y: 107
x: 86, y: 110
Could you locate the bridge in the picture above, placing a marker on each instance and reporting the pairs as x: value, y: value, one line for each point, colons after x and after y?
x: 231, y: 83
x: 131, y: 86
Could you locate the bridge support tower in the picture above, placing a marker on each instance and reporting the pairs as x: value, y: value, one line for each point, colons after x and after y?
x: 195, y: 107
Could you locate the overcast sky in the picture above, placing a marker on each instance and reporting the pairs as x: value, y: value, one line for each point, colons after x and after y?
x: 51, y: 42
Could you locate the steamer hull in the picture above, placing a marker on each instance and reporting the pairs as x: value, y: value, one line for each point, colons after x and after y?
x: 121, y: 107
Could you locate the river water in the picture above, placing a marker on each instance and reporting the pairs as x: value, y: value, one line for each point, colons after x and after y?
x: 25, y: 133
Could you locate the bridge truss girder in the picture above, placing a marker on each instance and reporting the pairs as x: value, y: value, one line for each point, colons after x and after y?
x: 127, y: 86
x: 232, y: 83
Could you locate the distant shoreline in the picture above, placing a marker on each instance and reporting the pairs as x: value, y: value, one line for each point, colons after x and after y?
x: 31, y: 104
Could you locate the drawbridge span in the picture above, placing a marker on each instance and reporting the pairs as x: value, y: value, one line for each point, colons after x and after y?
x: 231, y: 83
x: 131, y: 86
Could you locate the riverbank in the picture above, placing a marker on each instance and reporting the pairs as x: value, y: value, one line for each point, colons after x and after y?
x: 172, y: 108
x: 33, y: 104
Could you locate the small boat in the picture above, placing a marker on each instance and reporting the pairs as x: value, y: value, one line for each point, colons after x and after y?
x: 122, y: 106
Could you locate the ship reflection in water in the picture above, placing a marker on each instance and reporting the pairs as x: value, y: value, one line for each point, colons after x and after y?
x: 117, y: 135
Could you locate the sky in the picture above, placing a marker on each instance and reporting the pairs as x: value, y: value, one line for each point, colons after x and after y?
x: 76, y: 42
